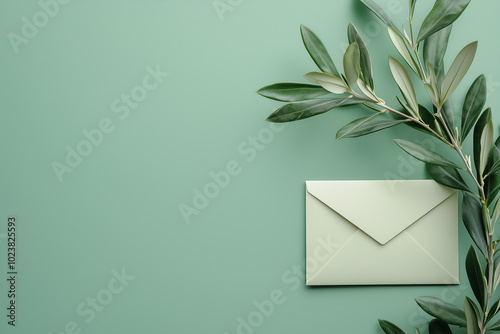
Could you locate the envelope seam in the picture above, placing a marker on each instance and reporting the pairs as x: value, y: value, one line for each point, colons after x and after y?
x: 415, y: 221
x: 333, y: 256
x: 376, y: 239
x: 432, y: 257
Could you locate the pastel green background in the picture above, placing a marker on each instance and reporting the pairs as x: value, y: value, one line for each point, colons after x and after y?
x: 120, y: 207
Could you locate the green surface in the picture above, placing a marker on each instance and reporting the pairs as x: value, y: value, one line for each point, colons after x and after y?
x: 119, y: 207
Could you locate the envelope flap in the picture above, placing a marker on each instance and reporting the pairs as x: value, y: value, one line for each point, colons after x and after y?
x: 382, y: 208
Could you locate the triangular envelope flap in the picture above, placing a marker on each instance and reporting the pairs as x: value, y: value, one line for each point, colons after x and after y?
x: 380, y: 208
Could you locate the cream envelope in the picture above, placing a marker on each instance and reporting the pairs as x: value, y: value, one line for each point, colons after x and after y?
x: 381, y: 232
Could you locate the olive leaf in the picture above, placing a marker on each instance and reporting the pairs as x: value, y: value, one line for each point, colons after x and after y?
x: 366, y: 90
x: 367, y: 125
x: 365, y: 61
x: 493, y: 165
x: 444, y: 13
x: 291, y: 92
x: 496, y: 275
x: 403, y: 50
x: 475, y: 275
x: 496, y: 212
x: 457, y: 71
x: 431, y: 89
x: 492, y: 181
x: 412, y: 7
x: 448, y: 114
x: 442, y: 310
x: 389, y: 327
x: 329, y: 82
x: 473, y: 221
x: 428, y: 119
x: 304, y: 109
x: 405, y: 105
x: 433, y: 53
x: 380, y: 13
x: 486, y: 141
x: 495, y: 307
x: 447, y: 176
x: 351, y: 64
x: 483, y: 138
x: 495, y: 326
x: 403, y: 80
x: 434, y: 50
x: 448, y: 117
x: 473, y: 105
x: 423, y: 154
x: 317, y: 51
x: 472, y: 315
x: 492, y: 185
x: 437, y: 326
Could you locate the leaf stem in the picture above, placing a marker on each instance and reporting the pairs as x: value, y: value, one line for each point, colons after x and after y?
x: 490, y: 261
x: 482, y: 197
x: 448, y: 138
x: 457, y: 148
x: 416, y: 120
x: 486, y: 216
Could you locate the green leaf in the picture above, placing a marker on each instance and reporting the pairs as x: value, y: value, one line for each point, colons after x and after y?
x: 389, y: 327
x: 471, y: 314
x: 432, y: 91
x: 417, y: 331
x: 367, y: 125
x: 423, y: 154
x: 428, y: 119
x: 492, y: 181
x: 405, y: 106
x: 365, y: 61
x: 437, y: 326
x: 494, y: 163
x: 317, y: 51
x: 432, y: 86
x: 444, y: 13
x: 495, y: 326
x: 329, y: 82
x: 447, y: 176
x: 496, y: 212
x: 434, y: 50
x: 367, y: 91
x: 493, y: 186
x: 496, y: 274
x: 448, y: 114
x: 486, y: 141
x: 483, y: 135
x: 403, y: 80
x: 433, y: 53
x: 299, y: 110
x: 380, y: 13
x: 457, y: 71
x: 403, y: 50
x: 291, y: 92
x: 495, y: 307
x: 473, y: 105
x: 412, y: 7
x: 475, y: 275
x: 442, y: 310
x: 472, y: 216
x: 351, y: 64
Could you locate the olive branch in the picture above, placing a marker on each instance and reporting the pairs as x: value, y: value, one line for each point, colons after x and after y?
x: 423, y: 54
